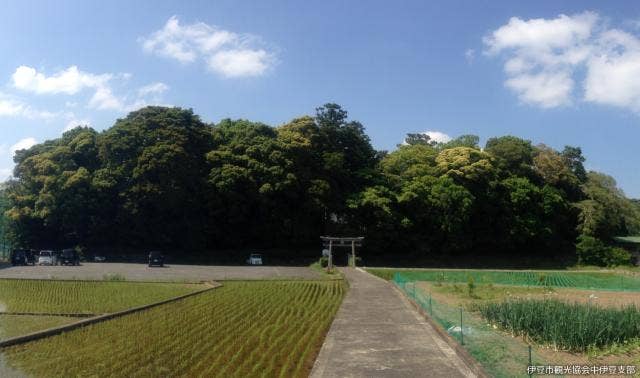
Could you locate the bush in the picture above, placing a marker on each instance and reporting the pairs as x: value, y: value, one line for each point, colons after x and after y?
x: 618, y: 256
x: 592, y: 251
x: 324, y: 261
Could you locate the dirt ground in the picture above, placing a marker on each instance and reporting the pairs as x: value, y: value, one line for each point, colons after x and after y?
x: 598, y: 297
x: 171, y: 272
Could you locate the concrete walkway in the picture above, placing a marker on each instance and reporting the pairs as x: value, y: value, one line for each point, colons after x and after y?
x: 377, y: 333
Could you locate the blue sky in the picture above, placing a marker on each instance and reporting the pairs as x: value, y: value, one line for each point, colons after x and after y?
x: 558, y: 72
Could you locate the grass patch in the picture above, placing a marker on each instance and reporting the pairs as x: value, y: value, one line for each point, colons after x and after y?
x: 242, y: 329
x: 573, y: 327
x: 334, y: 274
x: 385, y: 274
x: 17, y: 325
x: 89, y: 297
x: 488, y: 292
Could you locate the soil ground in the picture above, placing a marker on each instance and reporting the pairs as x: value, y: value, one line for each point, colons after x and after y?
x: 170, y: 272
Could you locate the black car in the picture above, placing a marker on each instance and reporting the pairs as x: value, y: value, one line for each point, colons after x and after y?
x: 156, y: 258
x: 22, y: 257
x: 69, y: 257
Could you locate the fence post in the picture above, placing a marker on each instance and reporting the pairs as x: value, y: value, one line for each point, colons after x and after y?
x: 530, y: 361
x: 461, y: 333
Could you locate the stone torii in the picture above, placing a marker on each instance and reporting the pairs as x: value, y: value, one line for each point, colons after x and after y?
x: 328, y: 242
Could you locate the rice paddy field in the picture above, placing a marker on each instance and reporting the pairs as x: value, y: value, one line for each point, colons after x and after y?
x: 16, y: 325
x: 582, y: 280
x: 83, y: 297
x: 242, y: 329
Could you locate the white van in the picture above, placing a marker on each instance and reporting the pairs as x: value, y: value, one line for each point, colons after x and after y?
x: 47, y: 257
x: 254, y: 259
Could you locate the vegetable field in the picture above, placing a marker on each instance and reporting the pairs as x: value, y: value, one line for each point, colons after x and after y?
x: 582, y: 280
x: 574, y: 327
x: 266, y: 328
x: 90, y: 297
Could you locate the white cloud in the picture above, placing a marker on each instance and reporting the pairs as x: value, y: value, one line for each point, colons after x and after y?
x: 153, y: 89
x: 470, y: 55
x: 73, y: 123
x: 238, y: 63
x: 545, y: 57
x: 437, y: 136
x: 22, y: 144
x: 546, y: 89
x: 69, y: 81
x: 226, y: 53
x: 541, y: 34
x: 104, y: 99
x: 14, y: 108
x: 72, y: 81
x: 10, y: 108
x: 613, y: 76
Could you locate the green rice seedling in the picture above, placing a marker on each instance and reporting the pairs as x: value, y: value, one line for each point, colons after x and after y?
x: 85, y: 297
x: 573, y: 327
x: 242, y: 329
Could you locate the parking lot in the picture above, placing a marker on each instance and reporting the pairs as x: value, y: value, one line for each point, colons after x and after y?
x: 170, y: 272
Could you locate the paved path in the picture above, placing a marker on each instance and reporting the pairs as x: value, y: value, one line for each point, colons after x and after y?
x: 170, y: 272
x: 377, y: 333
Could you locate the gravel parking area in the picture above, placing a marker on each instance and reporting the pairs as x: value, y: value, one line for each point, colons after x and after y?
x: 170, y: 272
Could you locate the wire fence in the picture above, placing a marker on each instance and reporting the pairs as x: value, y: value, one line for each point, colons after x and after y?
x: 499, y: 354
x: 578, y: 280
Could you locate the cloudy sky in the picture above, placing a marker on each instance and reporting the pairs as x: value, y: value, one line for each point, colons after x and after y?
x: 558, y: 72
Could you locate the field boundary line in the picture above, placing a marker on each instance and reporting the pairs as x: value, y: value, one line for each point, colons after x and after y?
x: 98, y: 319
x: 68, y: 314
x: 464, y: 354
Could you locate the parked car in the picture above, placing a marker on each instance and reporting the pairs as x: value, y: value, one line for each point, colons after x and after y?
x: 32, y: 256
x: 254, y: 259
x: 99, y: 258
x: 69, y: 257
x: 156, y: 258
x: 47, y: 257
x: 21, y: 257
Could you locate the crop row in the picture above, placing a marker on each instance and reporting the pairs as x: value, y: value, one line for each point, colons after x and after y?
x: 44, y: 296
x: 584, y: 280
x: 241, y: 329
x: 574, y: 327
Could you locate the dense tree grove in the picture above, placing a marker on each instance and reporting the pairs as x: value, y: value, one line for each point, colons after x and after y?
x: 162, y: 178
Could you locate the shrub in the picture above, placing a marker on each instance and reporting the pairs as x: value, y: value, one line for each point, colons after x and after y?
x: 592, y: 251
x: 618, y: 256
x: 471, y: 287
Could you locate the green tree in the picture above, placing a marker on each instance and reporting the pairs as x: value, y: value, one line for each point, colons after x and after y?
x: 512, y: 155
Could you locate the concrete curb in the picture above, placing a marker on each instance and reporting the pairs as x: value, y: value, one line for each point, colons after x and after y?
x: 471, y: 362
x: 97, y: 319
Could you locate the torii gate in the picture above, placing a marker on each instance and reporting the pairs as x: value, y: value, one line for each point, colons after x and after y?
x: 328, y: 242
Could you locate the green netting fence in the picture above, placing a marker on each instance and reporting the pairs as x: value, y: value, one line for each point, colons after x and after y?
x: 501, y: 355
x: 578, y: 280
